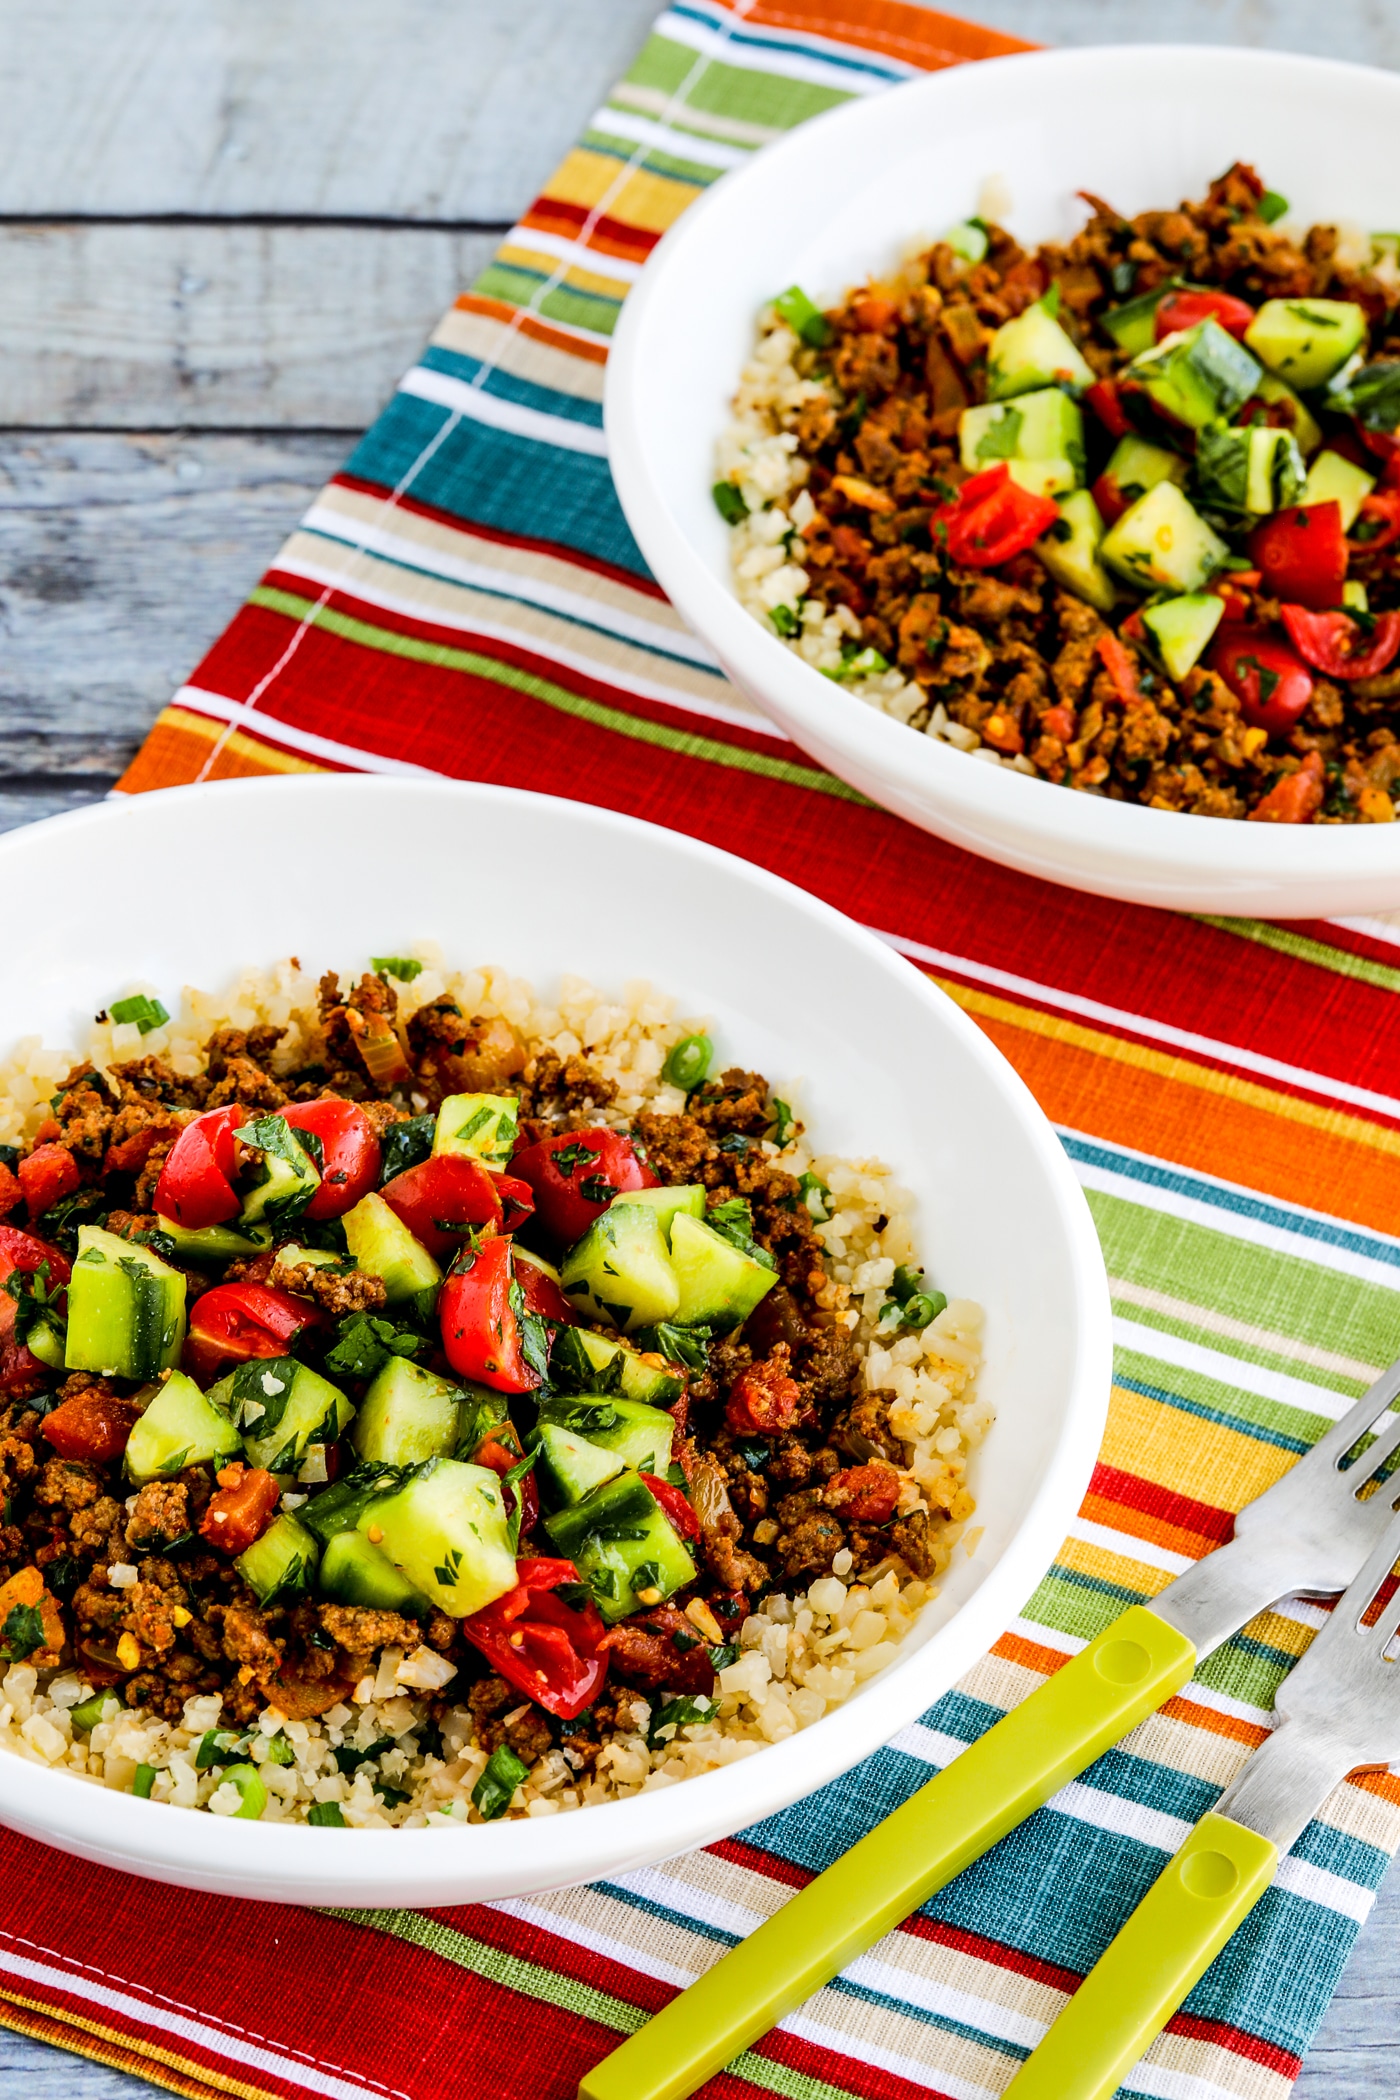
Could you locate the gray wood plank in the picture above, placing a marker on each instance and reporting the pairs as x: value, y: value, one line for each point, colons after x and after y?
x: 34, y: 2071
x: 165, y: 327
x: 1365, y: 31
x: 420, y: 109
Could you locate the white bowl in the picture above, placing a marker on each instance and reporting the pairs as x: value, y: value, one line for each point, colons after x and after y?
x: 838, y: 200
x: 185, y: 886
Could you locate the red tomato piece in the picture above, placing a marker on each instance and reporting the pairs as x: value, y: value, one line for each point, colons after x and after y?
x: 49, y: 1173
x: 1102, y: 397
x: 11, y: 1191
x: 991, y: 519
x: 1110, y: 501
x: 864, y: 1494
x: 196, y: 1176
x: 93, y: 1426
x: 542, y: 1293
x: 1274, y: 686
x: 517, y: 1201
x: 1296, y: 798
x: 500, y: 1451
x: 675, y: 1506
x: 241, y: 1511
x: 1182, y: 310
x: 1339, y: 646
x: 21, y: 1250
x: 442, y: 1198
x: 576, y: 1175
x: 1301, y: 554
x: 236, y: 1321
x: 480, y: 1325
x: 350, y: 1153
x: 21, y: 1372
x: 550, y: 1648
x: 764, y: 1399
x: 1120, y: 667
x: 1378, y: 523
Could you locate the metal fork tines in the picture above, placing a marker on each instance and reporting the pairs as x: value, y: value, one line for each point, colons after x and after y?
x: 1310, y: 1531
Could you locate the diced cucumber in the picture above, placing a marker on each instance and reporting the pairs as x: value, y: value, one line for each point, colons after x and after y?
x: 1137, y: 466
x: 384, y: 1247
x: 289, y: 1175
x: 339, y: 1508
x: 282, y: 1408
x: 1133, y: 325
x: 569, y: 1466
x: 719, y: 1285
x: 1041, y: 433
x: 407, y: 1415
x: 45, y: 1341
x: 1181, y: 628
x: 1258, y: 469
x: 445, y: 1530
x: 482, y: 1413
x: 354, y: 1572
x: 596, y: 1363
x: 668, y: 1203
x: 1198, y: 376
x: 1354, y: 596
x: 1070, y: 551
x: 623, y: 1547
x: 281, y: 1563
x: 535, y: 1261
x: 215, y: 1243
x: 1163, y: 544
x: 483, y: 1126
x: 1043, y: 477
x: 180, y: 1426
x: 126, y: 1308
x: 619, y: 1271
x: 1306, y: 340
x: 1304, y: 425
x: 967, y: 239
x: 1033, y: 351
x: 640, y: 1435
x: 1334, y: 479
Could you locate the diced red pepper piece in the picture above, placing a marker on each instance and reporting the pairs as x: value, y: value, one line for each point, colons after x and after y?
x: 675, y: 1506
x: 94, y: 1426
x: 1296, y: 798
x: 542, y: 1293
x: 1120, y: 667
x: 442, y: 1199
x: 237, y: 1321
x: 49, y: 1173
x: 1102, y: 397
x: 195, y: 1187
x: 1339, y: 646
x: 1180, y: 310
x: 480, y: 1324
x: 517, y: 1201
x: 992, y: 519
x: 576, y: 1175
x: 239, y: 1514
x: 11, y: 1191
x: 1274, y: 686
x: 1378, y: 522
x: 1301, y: 554
x: 350, y: 1152
x: 499, y: 1450
x: 548, y: 1646
x: 1109, y: 499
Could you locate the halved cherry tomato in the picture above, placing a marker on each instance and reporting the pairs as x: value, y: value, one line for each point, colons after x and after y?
x: 517, y: 1201
x: 542, y: 1293
x: 1102, y: 397
x: 1301, y: 554
x: 236, y: 1321
x: 241, y: 1511
x: 21, y: 1250
x: 865, y: 1494
x: 1109, y: 499
x: 442, y: 1198
x: 576, y: 1175
x: 20, y: 1370
x: 93, y: 1426
x: 350, y: 1152
x: 500, y: 1451
x: 675, y: 1506
x: 1339, y: 646
x: 195, y: 1187
x: 1182, y: 310
x: 1295, y: 798
x: 549, y: 1648
x: 49, y: 1173
x: 480, y: 1325
x: 763, y: 1400
x: 1273, y: 685
x: 991, y: 519
x: 1378, y: 522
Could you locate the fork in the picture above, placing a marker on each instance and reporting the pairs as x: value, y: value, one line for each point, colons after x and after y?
x: 1339, y: 1711
x: 1311, y: 1531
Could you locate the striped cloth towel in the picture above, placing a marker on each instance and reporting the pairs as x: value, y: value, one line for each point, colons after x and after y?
x: 466, y: 599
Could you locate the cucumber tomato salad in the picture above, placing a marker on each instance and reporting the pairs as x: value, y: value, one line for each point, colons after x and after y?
x: 1123, y: 514
x: 403, y: 1414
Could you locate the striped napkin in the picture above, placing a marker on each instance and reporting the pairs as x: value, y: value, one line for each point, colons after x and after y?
x: 466, y: 599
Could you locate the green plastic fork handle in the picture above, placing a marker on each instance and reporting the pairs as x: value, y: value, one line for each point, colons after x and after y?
x: 1167, y: 1945
x: 1090, y: 1703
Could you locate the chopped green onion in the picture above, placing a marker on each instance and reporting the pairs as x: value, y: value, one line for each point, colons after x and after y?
x: 495, y: 1790
x: 1050, y: 300
x: 805, y: 319
x: 1124, y: 277
x: 87, y: 1716
x: 216, y: 1747
x: 729, y: 503
x: 784, y: 1122
x: 816, y: 1196
x: 785, y: 620
x: 1272, y: 206
x: 143, y: 1782
x: 907, y: 1281
x: 401, y: 966
x: 688, y: 1062
x: 866, y: 663
x: 968, y: 239
x: 279, y: 1752
x: 248, y: 1781
x: 146, y: 1013
x: 923, y: 1308
x: 326, y: 1815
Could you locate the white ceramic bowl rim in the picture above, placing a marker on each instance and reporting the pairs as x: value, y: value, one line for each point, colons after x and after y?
x: 433, y: 1866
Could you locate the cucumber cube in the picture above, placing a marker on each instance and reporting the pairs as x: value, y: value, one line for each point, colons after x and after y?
x: 1133, y: 325
x: 620, y: 1271
x: 1040, y: 435
x: 354, y: 1572
x: 483, y: 1126
x: 289, y: 1175
x: 569, y: 1466
x: 384, y: 1247
x: 126, y: 1308
x: 596, y: 1363
x: 283, y: 1408
x: 1181, y: 628
x: 1333, y: 479
x: 719, y: 1285
x: 1163, y: 544
x: 1306, y: 340
x: 1136, y: 466
x: 640, y: 1435
x: 1258, y: 470
x: 1198, y: 376
x: 1033, y: 351
x: 407, y: 1415
x: 623, y: 1546
x: 280, y: 1564
x: 340, y: 1508
x: 215, y: 1243
x: 1070, y: 551
x: 180, y: 1427
x: 1275, y: 393
x: 668, y: 1203
x: 445, y: 1531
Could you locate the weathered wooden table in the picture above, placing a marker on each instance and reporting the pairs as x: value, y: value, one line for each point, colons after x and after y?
x: 225, y: 227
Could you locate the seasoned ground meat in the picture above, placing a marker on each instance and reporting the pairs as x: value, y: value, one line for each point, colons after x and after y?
x: 161, y: 1515
x: 503, y: 1716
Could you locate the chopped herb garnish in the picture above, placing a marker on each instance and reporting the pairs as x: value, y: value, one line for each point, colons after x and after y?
x: 22, y: 1632
x: 495, y: 1790
x: 512, y: 1480
x: 349, y: 1759
x: 784, y: 1123
x: 785, y: 620
x: 722, y: 1654
x: 406, y: 1145
x: 674, y: 1714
